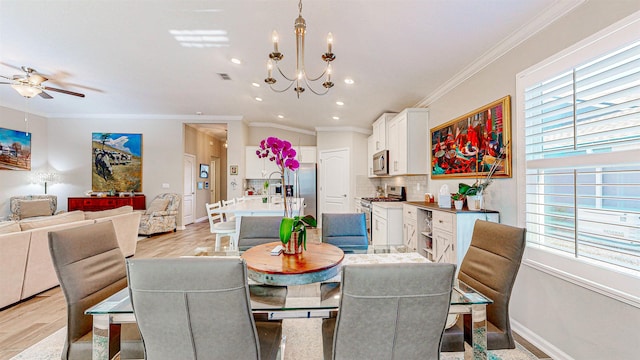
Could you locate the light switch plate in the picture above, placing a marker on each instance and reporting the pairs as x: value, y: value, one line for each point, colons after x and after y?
x: 165, y: 186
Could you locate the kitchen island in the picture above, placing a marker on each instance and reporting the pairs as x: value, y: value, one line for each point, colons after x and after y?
x: 255, y: 207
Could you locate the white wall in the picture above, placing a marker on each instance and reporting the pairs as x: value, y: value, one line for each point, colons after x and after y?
x: 12, y: 182
x: 70, y: 153
x: 565, y: 320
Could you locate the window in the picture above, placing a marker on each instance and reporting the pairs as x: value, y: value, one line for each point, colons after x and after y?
x: 579, y: 121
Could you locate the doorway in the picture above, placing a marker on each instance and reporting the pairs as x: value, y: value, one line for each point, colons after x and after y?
x: 189, y: 191
x: 334, y: 190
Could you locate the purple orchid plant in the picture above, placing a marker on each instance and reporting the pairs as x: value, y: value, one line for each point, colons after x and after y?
x: 284, y: 156
x: 279, y: 151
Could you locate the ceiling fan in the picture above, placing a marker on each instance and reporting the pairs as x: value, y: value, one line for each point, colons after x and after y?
x: 30, y: 84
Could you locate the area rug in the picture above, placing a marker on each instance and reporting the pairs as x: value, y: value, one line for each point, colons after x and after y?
x: 301, y: 344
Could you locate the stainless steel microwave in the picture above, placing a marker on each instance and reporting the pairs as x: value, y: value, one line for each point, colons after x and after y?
x: 381, y: 163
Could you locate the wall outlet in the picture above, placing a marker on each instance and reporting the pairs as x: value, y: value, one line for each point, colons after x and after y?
x: 165, y: 186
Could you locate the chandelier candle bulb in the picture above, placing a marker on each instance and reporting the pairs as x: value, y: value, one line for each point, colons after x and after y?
x: 274, y: 37
x: 329, y: 43
x: 269, y: 68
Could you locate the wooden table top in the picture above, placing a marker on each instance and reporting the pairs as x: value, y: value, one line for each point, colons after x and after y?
x: 317, y: 257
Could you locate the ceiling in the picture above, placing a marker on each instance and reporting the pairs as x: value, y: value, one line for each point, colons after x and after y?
x: 122, y: 55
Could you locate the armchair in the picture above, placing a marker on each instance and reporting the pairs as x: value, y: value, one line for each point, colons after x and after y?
x: 32, y: 205
x: 161, y: 215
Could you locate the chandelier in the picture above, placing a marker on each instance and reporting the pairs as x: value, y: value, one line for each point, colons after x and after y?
x: 300, y: 77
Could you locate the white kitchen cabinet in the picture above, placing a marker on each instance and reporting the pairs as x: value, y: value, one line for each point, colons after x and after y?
x: 444, y: 235
x: 409, y: 142
x: 380, y: 131
x: 306, y: 154
x: 386, y: 227
x: 371, y: 149
x: 410, y: 227
x: 257, y: 168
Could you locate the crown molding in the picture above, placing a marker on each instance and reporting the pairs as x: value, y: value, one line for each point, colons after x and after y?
x: 282, y: 127
x: 185, y: 118
x: 551, y: 14
x: 344, y: 128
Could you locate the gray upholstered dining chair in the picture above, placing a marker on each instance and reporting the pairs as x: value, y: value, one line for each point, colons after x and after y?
x: 90, y: 268
x: 390, y: 311
x: 490, y: 266
x: 347, y: 231
x: 257, y: 230
x: 198, y: 308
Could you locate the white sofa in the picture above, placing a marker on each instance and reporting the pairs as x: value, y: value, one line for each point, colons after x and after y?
x: 25, y: 264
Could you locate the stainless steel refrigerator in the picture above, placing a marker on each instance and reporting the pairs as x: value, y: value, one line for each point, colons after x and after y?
x: 306, y: 187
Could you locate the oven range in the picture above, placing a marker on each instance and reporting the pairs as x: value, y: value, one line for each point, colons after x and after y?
x: 394, y: 193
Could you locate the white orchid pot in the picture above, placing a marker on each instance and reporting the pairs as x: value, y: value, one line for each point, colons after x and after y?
x: 475, y: 202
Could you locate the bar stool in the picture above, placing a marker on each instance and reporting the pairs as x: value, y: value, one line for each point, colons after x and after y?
x: 219, y: 226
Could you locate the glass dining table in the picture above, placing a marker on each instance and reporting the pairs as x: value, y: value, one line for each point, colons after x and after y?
x: 316, y: 300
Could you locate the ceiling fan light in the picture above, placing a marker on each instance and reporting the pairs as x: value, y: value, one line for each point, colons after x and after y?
x: 26, y: 90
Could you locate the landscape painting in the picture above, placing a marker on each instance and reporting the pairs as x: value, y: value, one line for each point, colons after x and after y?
x: 15, y: 150
x: 117, y: 162
x: 474, y: 144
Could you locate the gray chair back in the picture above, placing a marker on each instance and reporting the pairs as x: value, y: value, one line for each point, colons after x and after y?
x: 490, y: 266
x: 194, y: 308
x: 392, y: 311
x: 257, y: 230
x: 346, y: 231
x: 90, y: 268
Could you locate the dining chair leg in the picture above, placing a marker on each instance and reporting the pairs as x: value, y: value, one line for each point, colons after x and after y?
x: 218, y: 240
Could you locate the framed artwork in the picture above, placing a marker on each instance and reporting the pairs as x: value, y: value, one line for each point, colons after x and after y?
x: 204, y: 171
x: 117, y: 162
x: 15, y: 150
x: 200, y: 185
x: 233, y: 170
x: 468, y: 146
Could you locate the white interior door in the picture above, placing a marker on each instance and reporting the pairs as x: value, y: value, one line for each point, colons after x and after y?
x: 334, y: 181
x: 189, y: 192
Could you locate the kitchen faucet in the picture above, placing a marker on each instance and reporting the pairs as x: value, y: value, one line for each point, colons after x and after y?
x: 269, y: 180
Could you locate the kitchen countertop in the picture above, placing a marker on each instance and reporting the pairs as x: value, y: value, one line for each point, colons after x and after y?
x: 434, y: 206
x: 388, y: 204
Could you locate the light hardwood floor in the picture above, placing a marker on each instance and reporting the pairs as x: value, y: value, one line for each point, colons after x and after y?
x: 32, y: 320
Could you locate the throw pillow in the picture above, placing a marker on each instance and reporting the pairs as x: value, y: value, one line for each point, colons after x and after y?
x: 157, y: 205
x: 33, y: 208
x: 92, y: 215
x: 7, y: 227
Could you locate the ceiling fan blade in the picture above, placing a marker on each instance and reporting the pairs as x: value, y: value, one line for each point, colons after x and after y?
x: 36, y: 79
x: 63, y: 91
x: 6, y: 77
x: 44, y: 95
x: 8, y: 83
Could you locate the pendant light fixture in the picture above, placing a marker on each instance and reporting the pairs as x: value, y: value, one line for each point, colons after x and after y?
x: 300, y: 78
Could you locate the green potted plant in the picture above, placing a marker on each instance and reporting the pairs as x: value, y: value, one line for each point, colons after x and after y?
x: 296, y: 227
x: 458, y: 200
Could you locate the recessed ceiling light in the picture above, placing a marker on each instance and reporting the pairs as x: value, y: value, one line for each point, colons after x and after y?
x: 348, y: 81
x: 255, y: 84
x: 236, y: 61
x: 198, y: 112
x: 258, y: 99
x: 336, y: 118
x: 280, y: 116
x: 339, y: 103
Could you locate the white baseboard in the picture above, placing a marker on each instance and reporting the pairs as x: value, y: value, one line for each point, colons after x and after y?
x: 539, y: 342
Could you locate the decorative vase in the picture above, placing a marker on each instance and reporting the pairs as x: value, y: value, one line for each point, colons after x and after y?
x: 474, y: 202
x: 458, y: 204
x: 292, y: 247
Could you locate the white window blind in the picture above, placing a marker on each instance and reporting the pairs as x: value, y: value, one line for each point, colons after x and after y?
x: 582, y: 142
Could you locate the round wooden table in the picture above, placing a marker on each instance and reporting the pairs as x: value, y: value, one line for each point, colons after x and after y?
x: 318, y: 263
